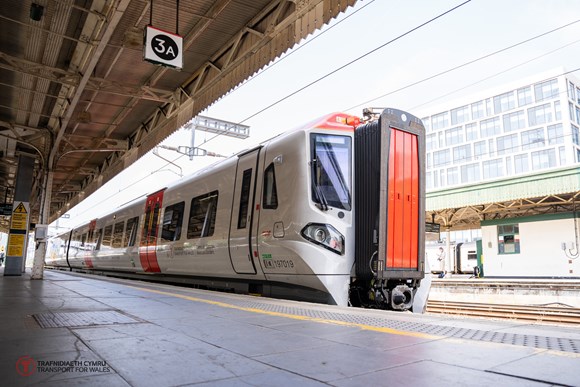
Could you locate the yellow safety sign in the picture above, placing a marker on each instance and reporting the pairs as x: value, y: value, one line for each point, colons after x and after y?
x: 20, y: 209
x: 19, y: 218
x: 16, y: 245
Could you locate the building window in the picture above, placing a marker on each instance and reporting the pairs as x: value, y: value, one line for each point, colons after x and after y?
x: 428, y: 180
x: 575, y: 134
x: 508, y: 239
x: 577, y: 114
x: 426, y: 123
x: 441, y: 158
x: 533, y: 138
x: 440, y: 120
x: 562, y: 153
x: 571, y: 111
x: 524, y: 96
x: 492, y: 169
x: 452, y: 176
x: 546, y: 90
x: 555, y: 134
x: 521, y: 163
x: 540, y: 115
x: 480, y: 149
x: 543, y: 159
x: 507, y: 144
x: 508, y: 166
x: 514, y: 121
x: 490, y: 127
x: 477, y: 110
x: 462, y: 153
x: 557, y: 110
x: 471, y: 132
x: 504, y: 102
x: 578, y: 95
x: 460, y: 115
x: 470, y: 173
x: 488, y: 107
x: 571, y: 91
x: 454, y: 136
x: 431, y: 141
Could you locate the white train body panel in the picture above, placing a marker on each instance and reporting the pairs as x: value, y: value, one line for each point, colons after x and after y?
x: 278, y: 252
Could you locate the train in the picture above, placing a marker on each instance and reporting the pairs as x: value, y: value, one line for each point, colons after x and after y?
x: 330, y: 212
x: 464, y: 257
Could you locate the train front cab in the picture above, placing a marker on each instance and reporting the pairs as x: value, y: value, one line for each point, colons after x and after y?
x: 389, y: 211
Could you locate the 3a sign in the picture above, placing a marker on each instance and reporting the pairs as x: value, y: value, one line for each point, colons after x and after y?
x: 163, y: 48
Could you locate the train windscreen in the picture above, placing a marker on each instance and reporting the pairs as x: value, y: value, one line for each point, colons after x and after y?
x: 331, y: 160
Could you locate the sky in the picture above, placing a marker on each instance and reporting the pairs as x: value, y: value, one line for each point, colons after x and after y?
x: 327, y: 61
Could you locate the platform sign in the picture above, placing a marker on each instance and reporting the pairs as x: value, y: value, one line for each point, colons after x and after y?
x: 163, y: 48
x: 5, y: 209
x: 432, y: 227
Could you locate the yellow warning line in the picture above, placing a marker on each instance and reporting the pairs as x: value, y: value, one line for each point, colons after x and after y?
x: 293, y: 316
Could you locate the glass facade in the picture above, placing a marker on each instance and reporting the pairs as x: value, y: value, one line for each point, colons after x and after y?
x: 523, y: 130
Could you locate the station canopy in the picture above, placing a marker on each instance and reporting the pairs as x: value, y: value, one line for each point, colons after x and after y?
x: 77, y: 96
x: 548, y: 192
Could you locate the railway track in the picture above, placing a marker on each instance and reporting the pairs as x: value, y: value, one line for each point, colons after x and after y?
x: 537, y: 313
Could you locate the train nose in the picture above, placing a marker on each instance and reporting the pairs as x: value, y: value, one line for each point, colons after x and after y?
x: 401, y: 297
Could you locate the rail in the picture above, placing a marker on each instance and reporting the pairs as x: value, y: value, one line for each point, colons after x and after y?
x: 537, y: 313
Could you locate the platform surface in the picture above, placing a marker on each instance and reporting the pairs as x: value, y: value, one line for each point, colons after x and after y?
x: 74, y: 330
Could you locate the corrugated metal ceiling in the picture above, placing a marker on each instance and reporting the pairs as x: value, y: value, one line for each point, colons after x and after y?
x: 76, y: 95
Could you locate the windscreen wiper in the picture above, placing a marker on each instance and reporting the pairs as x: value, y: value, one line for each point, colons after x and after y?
x: 323, y: 203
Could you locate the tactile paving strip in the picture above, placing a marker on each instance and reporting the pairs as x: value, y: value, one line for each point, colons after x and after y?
x: 533, y: 341
x: 80, y: 319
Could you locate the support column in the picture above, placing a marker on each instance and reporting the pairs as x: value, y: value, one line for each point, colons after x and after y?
x: 40, y: 252
x: 20, y: 218
x: 449, y: 256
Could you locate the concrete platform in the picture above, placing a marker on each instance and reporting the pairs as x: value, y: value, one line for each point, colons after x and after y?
x: 72, y: 329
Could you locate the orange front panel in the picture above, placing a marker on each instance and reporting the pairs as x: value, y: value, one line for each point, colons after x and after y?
x: 403, y: 191
x: 391, y: 205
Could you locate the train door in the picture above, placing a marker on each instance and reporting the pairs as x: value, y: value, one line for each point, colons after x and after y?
x: 148, y: 244
x: 241, y: 242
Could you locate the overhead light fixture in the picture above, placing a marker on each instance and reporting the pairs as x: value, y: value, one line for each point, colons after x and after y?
x: 36, y: 11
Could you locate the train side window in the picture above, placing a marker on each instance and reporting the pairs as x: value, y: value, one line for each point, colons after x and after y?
x: 172, y: 222
x: 107, y: 236
x: 99, y: 237
x: 270, y: 196
x: 202, y: 215
x: 244, y: 199
x: 118, y: 234
x: 131, y: 232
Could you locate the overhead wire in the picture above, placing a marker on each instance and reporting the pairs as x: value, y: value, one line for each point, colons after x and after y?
x: 346, y: 65
x: 356, y: 60
x: 466, y: 64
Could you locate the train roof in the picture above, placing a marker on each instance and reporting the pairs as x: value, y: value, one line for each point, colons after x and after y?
x: 331, y: 121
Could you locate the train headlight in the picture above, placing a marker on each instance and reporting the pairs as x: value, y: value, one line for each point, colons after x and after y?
x: 324, y: 235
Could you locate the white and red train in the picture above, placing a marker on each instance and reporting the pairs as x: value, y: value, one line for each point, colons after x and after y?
x: 331, y: 212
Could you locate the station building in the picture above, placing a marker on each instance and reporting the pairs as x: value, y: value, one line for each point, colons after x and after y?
x: 507, y: 161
